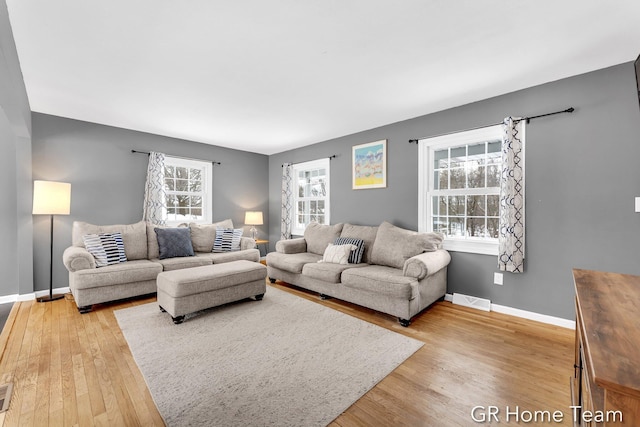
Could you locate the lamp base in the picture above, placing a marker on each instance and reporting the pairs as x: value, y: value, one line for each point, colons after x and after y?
x: 48, y: 298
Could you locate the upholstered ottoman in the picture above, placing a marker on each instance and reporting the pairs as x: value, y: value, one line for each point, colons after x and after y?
x: 189, y: 290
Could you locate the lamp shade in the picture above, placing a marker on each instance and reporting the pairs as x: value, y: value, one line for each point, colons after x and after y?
x: 253, y: 218
x: 51, y: 198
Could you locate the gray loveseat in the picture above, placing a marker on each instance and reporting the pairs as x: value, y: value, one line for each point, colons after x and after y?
x: 90, y: 284
x: 401, y: 272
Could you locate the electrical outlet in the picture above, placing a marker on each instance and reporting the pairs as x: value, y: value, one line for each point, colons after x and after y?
x: 497, y: 278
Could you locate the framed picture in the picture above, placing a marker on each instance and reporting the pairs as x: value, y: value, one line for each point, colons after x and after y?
x: 369, y: 169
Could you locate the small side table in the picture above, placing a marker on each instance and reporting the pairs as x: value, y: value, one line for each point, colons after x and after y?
x: 266, y: 246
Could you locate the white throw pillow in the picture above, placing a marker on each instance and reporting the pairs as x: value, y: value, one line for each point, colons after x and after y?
x: 337, y: 254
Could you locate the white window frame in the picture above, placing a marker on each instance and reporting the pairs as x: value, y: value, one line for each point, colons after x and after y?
x: 309, y: 166
x: 206, y: 190
x: 426, y: 149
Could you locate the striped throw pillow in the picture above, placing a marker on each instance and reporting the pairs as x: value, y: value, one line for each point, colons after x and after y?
x: 227, y: 240
x: 106, y: 248
x: 356, y: 254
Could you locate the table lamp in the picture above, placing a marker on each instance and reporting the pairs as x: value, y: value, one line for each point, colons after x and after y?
x: 253, y: 218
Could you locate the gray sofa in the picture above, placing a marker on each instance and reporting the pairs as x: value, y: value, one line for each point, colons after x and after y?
x: 401, y: 272
x: 90, y: 284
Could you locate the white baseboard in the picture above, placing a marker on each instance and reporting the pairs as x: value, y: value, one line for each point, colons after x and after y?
x: 33, y: 295
x: 8, y: 298
x: 551, y: 320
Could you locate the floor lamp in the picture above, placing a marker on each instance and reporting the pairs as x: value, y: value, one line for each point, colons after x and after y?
x: 51, y: 198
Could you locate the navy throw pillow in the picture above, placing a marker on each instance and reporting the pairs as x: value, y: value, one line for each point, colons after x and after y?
x: 355, y: 257
x: 174, y: 242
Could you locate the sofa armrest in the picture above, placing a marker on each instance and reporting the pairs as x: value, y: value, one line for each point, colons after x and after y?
x: 76, y: 258
x: 291, y: 246
x: 426, y: 264
x: 247, y: 243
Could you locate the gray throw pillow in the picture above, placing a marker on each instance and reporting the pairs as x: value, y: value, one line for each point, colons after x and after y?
x: 174, y: 242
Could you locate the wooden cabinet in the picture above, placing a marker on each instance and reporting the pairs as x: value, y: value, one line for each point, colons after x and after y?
x: 606, y: 383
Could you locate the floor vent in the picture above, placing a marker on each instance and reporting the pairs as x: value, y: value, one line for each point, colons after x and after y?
x: 5, y: 396
x: 473, y: 302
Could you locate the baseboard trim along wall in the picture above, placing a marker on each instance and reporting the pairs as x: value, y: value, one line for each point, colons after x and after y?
x: 551, y: 320
x: 544, y: 318
x: 33, y: 295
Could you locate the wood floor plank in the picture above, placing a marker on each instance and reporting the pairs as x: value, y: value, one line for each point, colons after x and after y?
x: 71, y: 369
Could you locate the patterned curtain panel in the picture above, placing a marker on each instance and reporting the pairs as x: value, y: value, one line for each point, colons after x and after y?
x: 287, y: 193
x: 511, y: 237
x: 154, y: 195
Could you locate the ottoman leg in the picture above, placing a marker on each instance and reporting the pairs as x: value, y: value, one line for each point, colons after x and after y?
x: 259, y: 297
x: 178, y: 319
x: 162, y: 309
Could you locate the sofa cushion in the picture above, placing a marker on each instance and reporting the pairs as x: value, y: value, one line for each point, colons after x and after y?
x: 327, y: 272
x: 174, y: 242
x: 363, y: 232
x: 319, y: 236
x: 198, y: 280
x: 292, y: 263
x: 355, y: 256
x: 106, y: 248
x: 394, y: 245
x: 291, y: 246
x: 117, y: 274
x: 227, y: 240
x: 179, y: 263
x: 203, y: 235
x: 134, y: 236
x: 381, y: 280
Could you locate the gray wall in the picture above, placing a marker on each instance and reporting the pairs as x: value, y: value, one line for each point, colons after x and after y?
x: 15, y: 169
x: 107, y: 180
x: 581, y: 179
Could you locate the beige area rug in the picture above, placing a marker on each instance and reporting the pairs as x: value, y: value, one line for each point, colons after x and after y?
x: 282, y: 361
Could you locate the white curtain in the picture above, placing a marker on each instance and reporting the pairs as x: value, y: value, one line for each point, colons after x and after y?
x: 287, y: 193
x: 512, y: 232
x: 154, y: 195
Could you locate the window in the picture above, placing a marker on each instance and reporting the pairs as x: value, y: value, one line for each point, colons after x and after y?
x: 310, y: 194
x: 187, y: 184
x: 460, y: 188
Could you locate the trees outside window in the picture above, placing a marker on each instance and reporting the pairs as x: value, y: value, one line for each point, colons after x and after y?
x: 187, y: 185
x: 311, y: 194
x: 460, y: 188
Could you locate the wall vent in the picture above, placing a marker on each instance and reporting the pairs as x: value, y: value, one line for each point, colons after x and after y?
x: 5, y: 396
x: 473, y: 302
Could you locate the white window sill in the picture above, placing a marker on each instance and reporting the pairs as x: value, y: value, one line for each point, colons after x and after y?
x: 471, y: 246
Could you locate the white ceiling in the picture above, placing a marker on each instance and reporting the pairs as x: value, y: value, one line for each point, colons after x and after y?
x: 268, y: 76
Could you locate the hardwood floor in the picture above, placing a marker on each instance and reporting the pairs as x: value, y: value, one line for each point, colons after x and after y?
x: 70, y: 369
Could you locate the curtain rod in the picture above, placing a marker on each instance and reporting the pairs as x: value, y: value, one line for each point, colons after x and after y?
x: 528, y: 119
x: 330, y: 158
x: 180, y: 157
